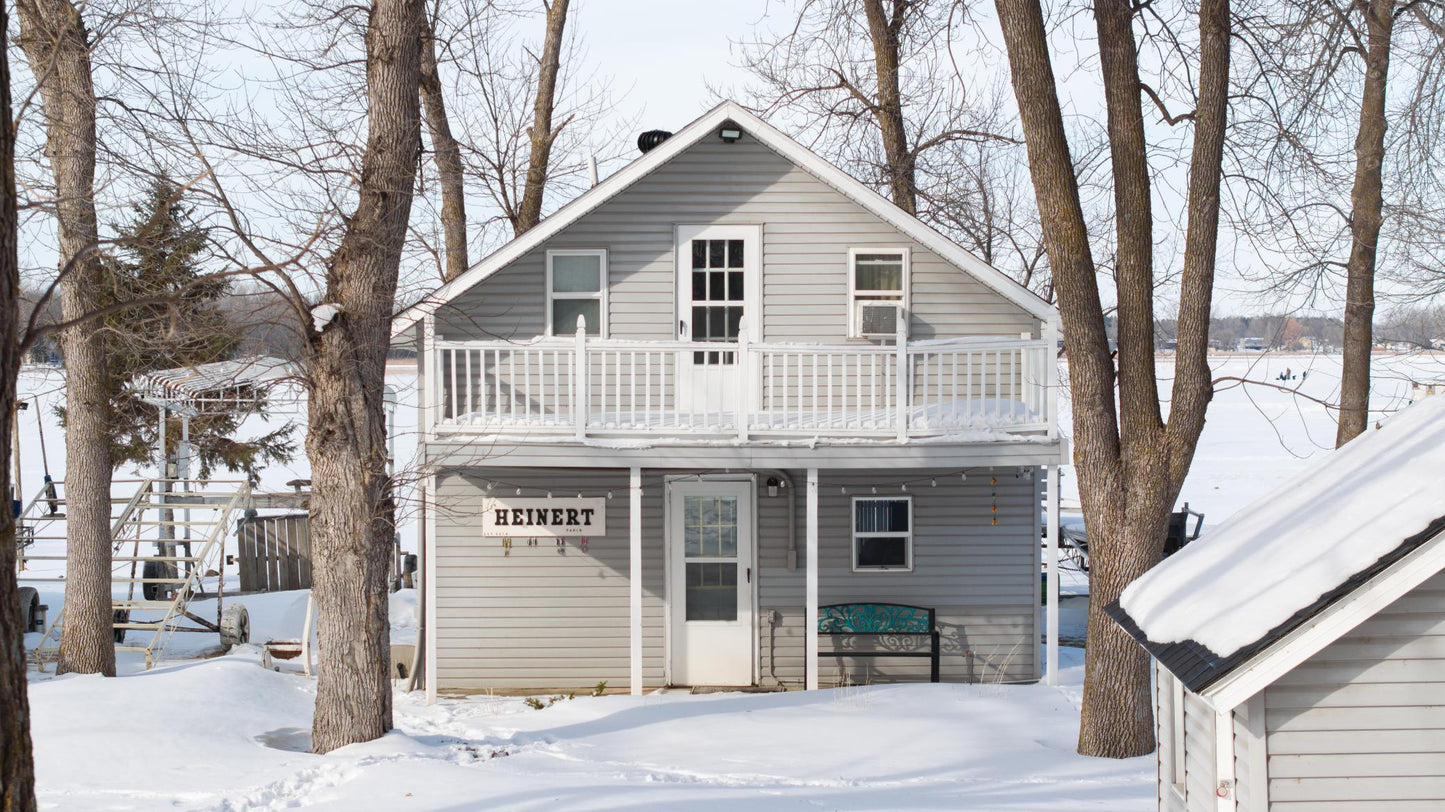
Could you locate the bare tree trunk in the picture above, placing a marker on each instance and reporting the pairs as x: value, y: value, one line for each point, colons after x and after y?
x: 346, y: 431
x: 1366, y: 216
x: 56, y: 44
x: 17, y: 760
x: 888, y: 109
x: 448, y: 158
x: 1130, y: 465
x: 529, y: 211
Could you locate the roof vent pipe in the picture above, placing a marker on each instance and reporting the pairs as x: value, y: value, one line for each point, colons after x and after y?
x: 591, y: 170
x: 650, y: 139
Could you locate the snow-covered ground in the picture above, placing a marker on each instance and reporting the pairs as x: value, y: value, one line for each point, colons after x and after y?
x: 224, y: 734
x: 221, y: 733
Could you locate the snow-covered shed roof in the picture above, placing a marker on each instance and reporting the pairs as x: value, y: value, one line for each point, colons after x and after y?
x: 706, y: 126
x: 1296, y: 569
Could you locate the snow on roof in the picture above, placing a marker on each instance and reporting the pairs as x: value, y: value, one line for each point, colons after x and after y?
x: 1278, y: 556
x: 218, y: 380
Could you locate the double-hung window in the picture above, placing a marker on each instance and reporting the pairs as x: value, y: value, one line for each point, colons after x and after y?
x: 577, y: 286
x: 877, y: 291
x: 882, y: 533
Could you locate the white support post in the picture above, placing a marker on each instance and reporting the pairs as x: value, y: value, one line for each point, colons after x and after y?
x: 903, y: 390
x: 430, y: 384
x: 744, y: 388
x: 429, y: 584
x: 1051, y: 621
x: 810, y: 613
x: 634, y: 575
x: 581, y: 399
x: 1224, y: 795
x: 1050, y: 374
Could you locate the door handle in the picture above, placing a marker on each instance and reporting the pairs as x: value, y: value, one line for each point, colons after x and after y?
x: 750, y: 575
x: 682, y: 328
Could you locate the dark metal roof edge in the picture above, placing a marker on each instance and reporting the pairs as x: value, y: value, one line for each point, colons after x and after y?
x: 1198, y: 667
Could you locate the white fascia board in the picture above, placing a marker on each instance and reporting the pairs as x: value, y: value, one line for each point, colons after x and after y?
x: 778, y: 142
x: 578, y: 208
x: 1328, y: 626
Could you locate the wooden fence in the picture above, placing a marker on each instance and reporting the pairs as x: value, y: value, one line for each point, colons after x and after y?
x: 275, y: 552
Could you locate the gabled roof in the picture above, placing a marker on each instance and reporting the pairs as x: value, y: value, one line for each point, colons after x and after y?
x: 704, y: 127
x: 1296, y: 570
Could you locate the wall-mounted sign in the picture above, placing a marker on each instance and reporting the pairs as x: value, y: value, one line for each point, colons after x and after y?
x: 544, y: 518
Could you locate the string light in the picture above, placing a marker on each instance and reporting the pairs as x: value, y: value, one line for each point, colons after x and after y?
x: 875, y: 488
x: 843, y: 490
x: 933, y: 483
x: 609, y: 494
x: 904, y: 486
x: 963, y: 476
x: 549, y: 494
x: 519, y: 491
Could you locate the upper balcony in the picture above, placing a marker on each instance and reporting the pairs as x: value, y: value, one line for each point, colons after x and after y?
x: 551, y: 389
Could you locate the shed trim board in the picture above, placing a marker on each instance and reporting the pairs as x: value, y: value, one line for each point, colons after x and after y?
x: 704, y: 127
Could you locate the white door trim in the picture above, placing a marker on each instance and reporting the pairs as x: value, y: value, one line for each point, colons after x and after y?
x: 673, y: 560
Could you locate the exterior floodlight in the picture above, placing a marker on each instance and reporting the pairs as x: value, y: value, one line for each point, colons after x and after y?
x: 730, y: 135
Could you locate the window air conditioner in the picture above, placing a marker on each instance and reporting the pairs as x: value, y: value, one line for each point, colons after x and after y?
x: 878, y: 319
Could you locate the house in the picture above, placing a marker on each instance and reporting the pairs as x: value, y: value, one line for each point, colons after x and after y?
x: 722, y: 390
x: 1299, y: 649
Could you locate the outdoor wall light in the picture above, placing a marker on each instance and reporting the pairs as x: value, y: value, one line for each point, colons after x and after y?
x: 730, y: 135
x: 773, y: 485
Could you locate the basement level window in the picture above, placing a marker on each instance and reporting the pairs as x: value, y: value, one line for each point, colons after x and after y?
x: 882, y: 533
x: 577, y: 286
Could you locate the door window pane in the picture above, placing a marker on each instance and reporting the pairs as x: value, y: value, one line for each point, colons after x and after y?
x: 566, y: 311
x: 710, y: 526
x: 712, y: 591
x: 576, y: 274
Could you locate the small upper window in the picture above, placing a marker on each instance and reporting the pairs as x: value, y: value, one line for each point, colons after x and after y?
x: 882, y: 533
x: 576, y: 286
x: 877, y: 291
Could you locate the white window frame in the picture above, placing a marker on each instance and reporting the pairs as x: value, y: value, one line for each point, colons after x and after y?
x: 600, y: 296
x: 855, y: 535
x: 855, y: 295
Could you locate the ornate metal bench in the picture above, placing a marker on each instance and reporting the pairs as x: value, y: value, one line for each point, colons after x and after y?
x: 882, y: 620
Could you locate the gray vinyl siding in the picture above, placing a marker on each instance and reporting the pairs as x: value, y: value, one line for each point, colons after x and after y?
x: 982, y: 579
x: 537, y: 619
x: 1198, y: 786
x: 1199, y: 755
x: 807, y: 227
x: 1361, y: 725
x: 541, y: 620
x: 1251, y: 771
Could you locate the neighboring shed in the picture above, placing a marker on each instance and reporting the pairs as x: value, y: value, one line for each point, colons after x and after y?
x: 1300, y: 647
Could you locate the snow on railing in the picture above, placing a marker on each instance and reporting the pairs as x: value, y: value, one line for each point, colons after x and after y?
x: 588, y: 387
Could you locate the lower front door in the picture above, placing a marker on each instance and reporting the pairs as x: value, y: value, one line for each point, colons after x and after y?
x: 710, y: 535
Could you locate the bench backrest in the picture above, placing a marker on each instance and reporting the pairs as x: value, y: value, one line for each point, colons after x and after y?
x: 874, y: 618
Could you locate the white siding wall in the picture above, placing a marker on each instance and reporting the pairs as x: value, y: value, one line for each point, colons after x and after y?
x: 1361, y: 725
x: 537, y: 619
x: 808, y: 228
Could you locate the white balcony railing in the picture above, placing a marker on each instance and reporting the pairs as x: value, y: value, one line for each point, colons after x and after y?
x: 580, y: 387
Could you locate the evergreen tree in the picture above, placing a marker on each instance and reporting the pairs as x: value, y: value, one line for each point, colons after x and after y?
x: 177, y: 322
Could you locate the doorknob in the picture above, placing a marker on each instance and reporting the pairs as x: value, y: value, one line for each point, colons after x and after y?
x: 750, y: 575
x: 682, y: 328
